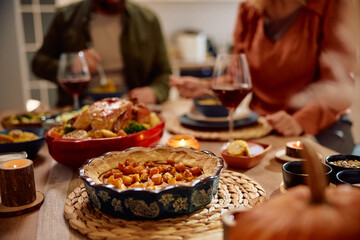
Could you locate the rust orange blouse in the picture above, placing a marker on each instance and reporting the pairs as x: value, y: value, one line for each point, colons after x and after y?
x: 282, y: 68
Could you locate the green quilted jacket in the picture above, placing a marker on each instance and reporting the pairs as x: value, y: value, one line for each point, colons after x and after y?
x: 143, y: 47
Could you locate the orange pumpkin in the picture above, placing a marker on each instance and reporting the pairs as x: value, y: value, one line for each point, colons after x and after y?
x: 304, y: 212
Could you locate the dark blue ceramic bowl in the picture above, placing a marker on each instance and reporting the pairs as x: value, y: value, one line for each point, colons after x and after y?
x: 336, y: 169
x: 30, y: 147
x: 293, y: 174
x: 350, y: 176
x: 145, y: 204
x: 99, y: 96
x: 209, y: 106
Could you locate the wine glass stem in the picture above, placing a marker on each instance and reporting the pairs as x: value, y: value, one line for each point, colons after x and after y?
x: 231, y: 124
x: 76, y: 101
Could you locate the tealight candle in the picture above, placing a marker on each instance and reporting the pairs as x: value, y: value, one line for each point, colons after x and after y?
x: 17, y: 182
x: 294, y: 149
x: 183, y: 141
x: 15, y: 163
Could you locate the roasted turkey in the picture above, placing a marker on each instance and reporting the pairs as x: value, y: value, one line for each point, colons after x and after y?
x: 112, y: 114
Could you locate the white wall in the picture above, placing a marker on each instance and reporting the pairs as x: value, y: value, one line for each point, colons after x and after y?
x: 355, y: 112
x: 12, y: 95
x: 215, y: 18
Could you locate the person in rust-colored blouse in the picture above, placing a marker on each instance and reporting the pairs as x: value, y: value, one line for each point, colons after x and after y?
x: 288, y: 44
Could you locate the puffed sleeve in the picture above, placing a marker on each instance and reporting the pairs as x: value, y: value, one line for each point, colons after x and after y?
x: 333, y: 89
x: 245, y: 27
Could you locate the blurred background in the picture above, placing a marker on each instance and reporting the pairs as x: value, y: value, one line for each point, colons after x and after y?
x: 204, y: 26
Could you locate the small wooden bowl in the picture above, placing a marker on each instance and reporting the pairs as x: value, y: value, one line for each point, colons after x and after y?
x: 257, y: 151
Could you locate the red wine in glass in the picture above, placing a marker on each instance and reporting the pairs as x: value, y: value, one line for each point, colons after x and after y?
x: 231, y: 97
x: 73, y: 74
x: 231, y: 83
x: 75, y: 86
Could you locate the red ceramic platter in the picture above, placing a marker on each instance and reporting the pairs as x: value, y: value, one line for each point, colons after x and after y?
x: 73, y: 153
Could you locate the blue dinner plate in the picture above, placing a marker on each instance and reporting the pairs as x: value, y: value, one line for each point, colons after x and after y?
x: 191, y: 123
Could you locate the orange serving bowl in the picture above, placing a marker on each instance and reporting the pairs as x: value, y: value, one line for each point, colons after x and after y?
x: 257, y: 151
x: 73, y: 152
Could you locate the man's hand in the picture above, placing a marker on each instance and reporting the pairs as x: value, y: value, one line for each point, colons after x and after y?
x: 284, y: 124
x: 190, y: 87
x: 92, y: 59
x: 144, y: 95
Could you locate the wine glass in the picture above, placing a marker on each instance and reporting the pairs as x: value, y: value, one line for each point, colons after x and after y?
x: 231, y: 83
x: 73, y: 74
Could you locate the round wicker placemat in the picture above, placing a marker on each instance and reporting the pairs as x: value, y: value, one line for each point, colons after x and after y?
x: 257, y: 130
x: 235, y: 190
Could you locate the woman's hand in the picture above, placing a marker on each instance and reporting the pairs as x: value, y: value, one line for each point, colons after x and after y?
x: 190, y: 87
x: 284, y: 124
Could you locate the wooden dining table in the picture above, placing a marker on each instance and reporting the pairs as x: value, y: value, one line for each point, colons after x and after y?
x: 56, y: 182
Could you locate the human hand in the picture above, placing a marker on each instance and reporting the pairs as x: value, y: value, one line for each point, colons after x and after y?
x: 190, y: 87
x: 144, y: 95
x: 284, y: 124
x: 92, y: 59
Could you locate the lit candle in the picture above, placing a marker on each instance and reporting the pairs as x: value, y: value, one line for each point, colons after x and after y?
x: 296, y: 144
x: 294, y: 149
x: 15, y: 163
x: 17, y: 182
x: 183, y: 141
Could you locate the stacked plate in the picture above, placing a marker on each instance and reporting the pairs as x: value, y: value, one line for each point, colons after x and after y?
x: 194, y: 119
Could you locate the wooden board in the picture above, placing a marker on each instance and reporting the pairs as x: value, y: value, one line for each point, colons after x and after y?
x: 20, y: 210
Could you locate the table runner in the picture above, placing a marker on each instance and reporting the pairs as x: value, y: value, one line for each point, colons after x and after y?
x: 51, y: 224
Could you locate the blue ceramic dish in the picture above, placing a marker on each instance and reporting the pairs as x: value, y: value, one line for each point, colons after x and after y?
x: 99, y: 96
x: 30, y: 147
x: 210, y: 107
x: 199, y: 125
x: 350, y: 176
x: 336, y: 169
x: 145, y: 204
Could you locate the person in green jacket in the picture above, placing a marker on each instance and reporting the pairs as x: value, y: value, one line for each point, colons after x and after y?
x: 125, y: 38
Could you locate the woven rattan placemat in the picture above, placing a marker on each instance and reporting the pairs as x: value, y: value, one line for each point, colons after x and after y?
x: 257, y: 130
x: 235, y: 190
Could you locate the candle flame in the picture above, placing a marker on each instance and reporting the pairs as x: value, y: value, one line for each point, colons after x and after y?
x: 298, y: 144
x: 182, y: 142
x: 15, y: 166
